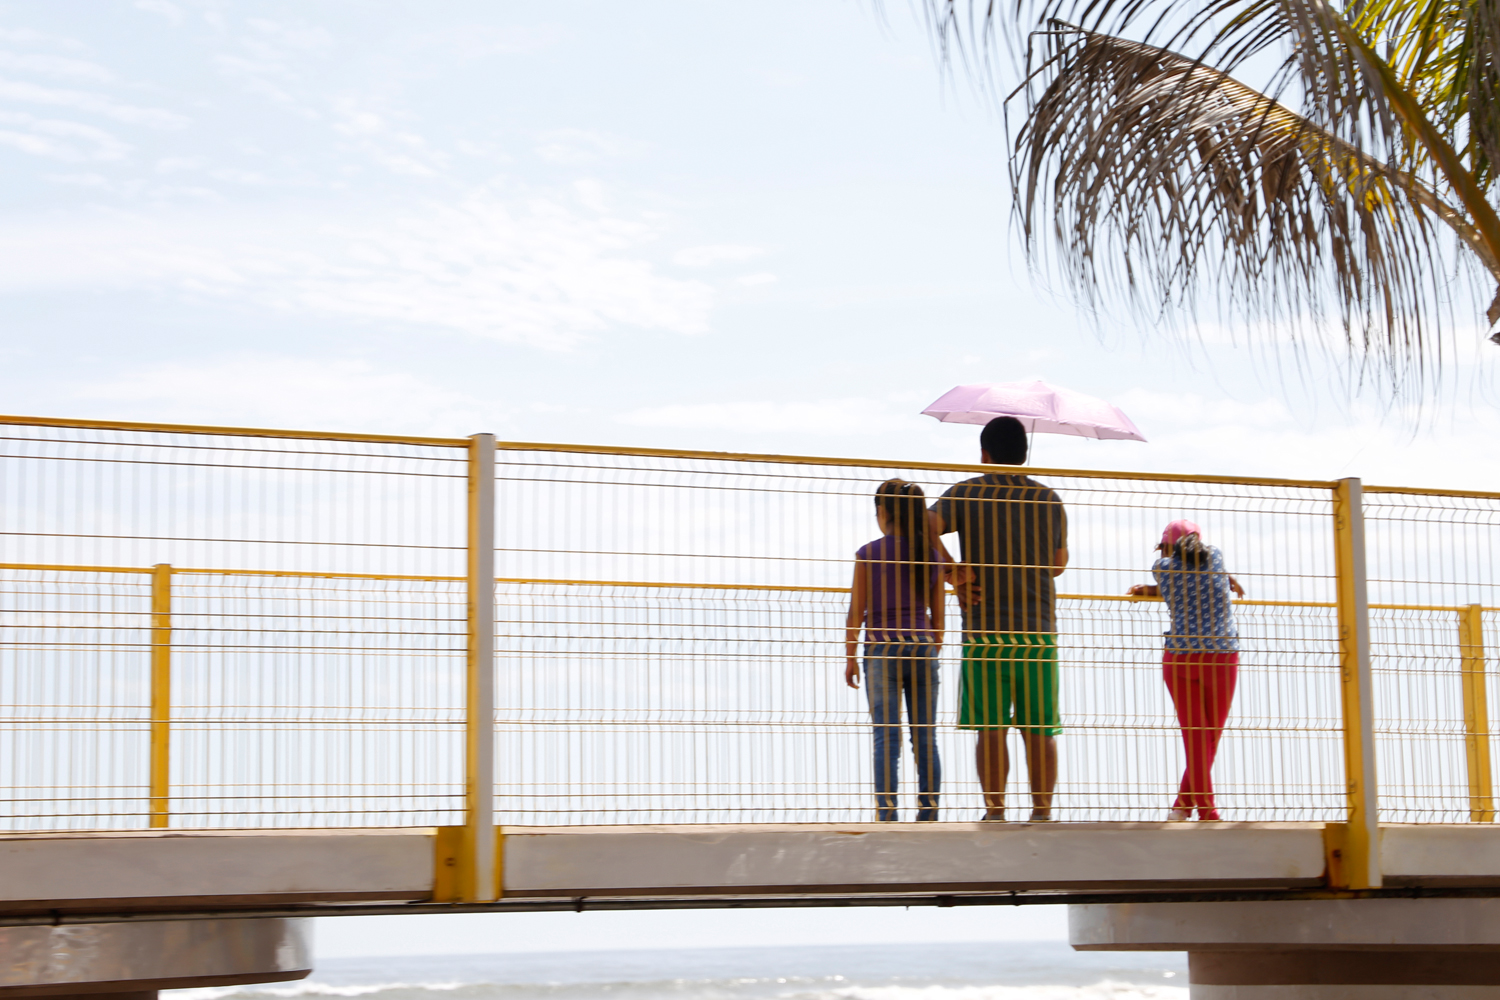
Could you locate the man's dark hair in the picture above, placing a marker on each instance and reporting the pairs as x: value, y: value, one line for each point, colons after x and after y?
x: 1004, y: 440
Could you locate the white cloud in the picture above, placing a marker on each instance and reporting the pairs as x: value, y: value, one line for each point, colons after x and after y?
x: 535, y: 272
x: 271, y: 391
x: 259, y: 76
x: 789, y: 79
x: 88, y: 180
x: 57, y: 139
x: 165, y: 8
x: 267, y: 55
x: 590, y: 194
x: 718, y: 253
x: 27, y: 36
x: 1192, y: 409
x: 751, y: 280
x: 476, y: 41
x: 86, y: 101
x: 174, y: 164
x: 853, y: 415
x: 400, y: 151
x: 285, y: 35
x: 574, y: 146
x: 235, y: 176
x: 58, y: 66
x: 1194, y: 432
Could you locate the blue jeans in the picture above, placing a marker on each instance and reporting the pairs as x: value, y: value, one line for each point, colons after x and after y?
x: 893, y: 671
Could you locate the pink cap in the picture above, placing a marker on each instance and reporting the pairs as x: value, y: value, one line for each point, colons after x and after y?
x: 1177, y: 530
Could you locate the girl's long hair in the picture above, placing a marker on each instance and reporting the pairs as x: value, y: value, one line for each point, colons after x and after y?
x: 1192, y: 551
x: 906, y: 506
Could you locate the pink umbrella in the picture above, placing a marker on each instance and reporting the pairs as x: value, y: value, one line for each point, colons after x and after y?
x: 1043, y: 408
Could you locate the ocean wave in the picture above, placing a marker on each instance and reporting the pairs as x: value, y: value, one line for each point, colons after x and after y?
x: 311, y: 988
x: 1103, y: 990
x: 770, y: 988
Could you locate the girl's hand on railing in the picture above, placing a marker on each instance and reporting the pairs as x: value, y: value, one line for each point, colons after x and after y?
x: 1234, y: 585
x: 851, y: 672
x: 1143, y: 590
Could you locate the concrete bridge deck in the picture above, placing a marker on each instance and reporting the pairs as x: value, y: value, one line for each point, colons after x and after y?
x: 76, y: 874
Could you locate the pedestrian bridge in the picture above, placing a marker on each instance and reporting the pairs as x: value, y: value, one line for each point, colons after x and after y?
x: 266, y: 672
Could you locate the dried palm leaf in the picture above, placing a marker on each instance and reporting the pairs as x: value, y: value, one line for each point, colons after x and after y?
x: 1165, y: 177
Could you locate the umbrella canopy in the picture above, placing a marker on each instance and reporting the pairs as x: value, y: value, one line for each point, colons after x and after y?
x: 1042, y: 408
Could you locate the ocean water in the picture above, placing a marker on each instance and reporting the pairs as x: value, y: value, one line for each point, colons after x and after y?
x: 1002, y: 971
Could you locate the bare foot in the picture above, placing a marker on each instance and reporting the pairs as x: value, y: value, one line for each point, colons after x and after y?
x: 1041, y: 816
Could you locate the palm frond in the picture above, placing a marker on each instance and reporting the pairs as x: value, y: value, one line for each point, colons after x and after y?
x: 1161, y: 175
x: 1445, y: 53
x: 1166, y: 178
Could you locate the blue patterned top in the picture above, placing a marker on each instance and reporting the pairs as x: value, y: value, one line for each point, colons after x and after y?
x: 1202, y: 617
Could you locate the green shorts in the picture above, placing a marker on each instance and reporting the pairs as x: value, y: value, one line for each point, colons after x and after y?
x: 1010, y: 679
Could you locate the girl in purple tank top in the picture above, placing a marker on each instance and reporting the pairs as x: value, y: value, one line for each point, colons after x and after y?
x: 897, y: 598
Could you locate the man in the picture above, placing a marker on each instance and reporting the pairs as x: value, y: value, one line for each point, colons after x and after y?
x: 1014, y: 534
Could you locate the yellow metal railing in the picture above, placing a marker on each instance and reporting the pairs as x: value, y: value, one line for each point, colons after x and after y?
x: 161, y: 694
x: 413, y: 626
x: 1469, y: 648
x: 1476, y: 713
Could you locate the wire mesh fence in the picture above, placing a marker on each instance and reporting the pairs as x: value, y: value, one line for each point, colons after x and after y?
x: 1432, y: 571
x: 684, y: 704
x: 219, y: 629
x: 313, y: 615
x: 692, y: 670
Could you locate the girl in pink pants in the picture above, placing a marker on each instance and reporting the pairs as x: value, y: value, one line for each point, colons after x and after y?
x: 1201, y: 661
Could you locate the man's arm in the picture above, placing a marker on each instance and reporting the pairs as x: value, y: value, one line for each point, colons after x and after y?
x: 955, y: 572
x: 936, y: 529
x: 1060, y: 554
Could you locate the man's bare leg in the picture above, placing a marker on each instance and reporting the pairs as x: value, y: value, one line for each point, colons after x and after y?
x: 1041, y: 770
x: 993, y: 761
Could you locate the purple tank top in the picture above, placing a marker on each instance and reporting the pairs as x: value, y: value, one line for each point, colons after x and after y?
x: 895, y: 614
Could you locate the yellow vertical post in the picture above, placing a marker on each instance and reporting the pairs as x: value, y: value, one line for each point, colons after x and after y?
x: 1476, y: 713
x: 477, y: 879
x: 1360, y: 861
x: 161, y: 693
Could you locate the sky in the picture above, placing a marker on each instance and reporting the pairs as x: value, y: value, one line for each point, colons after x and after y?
x: 760, y: 227
x: 775, y: 227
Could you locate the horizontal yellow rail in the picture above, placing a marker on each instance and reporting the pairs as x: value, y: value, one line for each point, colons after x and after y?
x: 659, y: 585
x: 301, y: 574
x: 48, y: 568
x: 725, y: 456
x: 321, y: 576
x: 1417, y: 491
x: 871, y: 463
x: 263, y: 432
x: 771, y: 588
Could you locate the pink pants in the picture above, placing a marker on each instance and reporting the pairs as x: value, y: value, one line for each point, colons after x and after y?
x: 1202, y: 686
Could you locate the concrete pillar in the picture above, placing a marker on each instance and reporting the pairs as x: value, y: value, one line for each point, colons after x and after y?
x: 131, y: 961
x: 1356, y: 949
